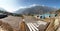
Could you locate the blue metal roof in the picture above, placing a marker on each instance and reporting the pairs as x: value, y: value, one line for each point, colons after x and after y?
x: 47, y: 15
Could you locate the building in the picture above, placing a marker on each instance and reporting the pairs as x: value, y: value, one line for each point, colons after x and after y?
x: 43, y: 16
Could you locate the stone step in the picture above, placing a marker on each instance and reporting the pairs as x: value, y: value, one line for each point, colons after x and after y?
x: 29, y: 27
x: 34, y: 26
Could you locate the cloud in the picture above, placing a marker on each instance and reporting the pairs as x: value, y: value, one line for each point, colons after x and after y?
x: 23, y: 7
x: 33, y: 5
x: 29, y: 6
x: 42, y: 5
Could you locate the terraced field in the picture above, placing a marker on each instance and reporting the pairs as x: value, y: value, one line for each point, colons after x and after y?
x: 31, y: 23
x: 13, y: 21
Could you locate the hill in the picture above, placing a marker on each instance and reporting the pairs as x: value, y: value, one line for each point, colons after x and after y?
x: 35, y: 10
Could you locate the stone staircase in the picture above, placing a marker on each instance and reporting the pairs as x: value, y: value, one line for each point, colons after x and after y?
x: 37, y: 26
x: 42, y: 25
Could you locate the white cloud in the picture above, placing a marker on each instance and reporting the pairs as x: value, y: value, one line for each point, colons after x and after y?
x: 42, y: 5
x: 22, y: 7
x: 33, y: 5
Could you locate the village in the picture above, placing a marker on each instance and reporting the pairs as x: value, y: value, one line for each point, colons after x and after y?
x: 45, y: 22
x: 29, y: 15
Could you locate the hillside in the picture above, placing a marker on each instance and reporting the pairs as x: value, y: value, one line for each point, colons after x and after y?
x: 8, y: 13
x: 35, y: 10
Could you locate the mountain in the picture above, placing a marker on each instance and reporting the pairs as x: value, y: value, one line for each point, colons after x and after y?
x: 35, y: 10
x: 58, y: 11
x: 3, y: 11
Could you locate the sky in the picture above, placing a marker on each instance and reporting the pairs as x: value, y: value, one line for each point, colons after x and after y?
x: 13, y: 5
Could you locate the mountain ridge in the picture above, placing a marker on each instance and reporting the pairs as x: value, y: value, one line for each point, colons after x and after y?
x: 35, y: 10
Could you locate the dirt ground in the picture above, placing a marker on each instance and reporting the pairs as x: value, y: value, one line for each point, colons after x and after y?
x: 13, y: 21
